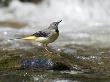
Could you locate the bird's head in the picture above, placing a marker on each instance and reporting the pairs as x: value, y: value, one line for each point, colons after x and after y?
x: 54, y: 25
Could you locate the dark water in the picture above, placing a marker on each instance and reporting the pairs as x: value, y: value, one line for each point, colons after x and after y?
x: 38, y: 76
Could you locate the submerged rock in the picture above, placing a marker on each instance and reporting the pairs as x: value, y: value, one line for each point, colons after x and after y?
x: 42, y: 63
x: 13, y: 24
x: 36, y: 63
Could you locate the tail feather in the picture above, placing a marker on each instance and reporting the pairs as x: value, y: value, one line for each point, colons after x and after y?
x: 25, y: 38
x: 15, y: 39
x: 29, y: 38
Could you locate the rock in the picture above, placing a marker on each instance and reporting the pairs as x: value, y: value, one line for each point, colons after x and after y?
x: 5, y: 2
x: 42, y: 63
x: 33, y: 1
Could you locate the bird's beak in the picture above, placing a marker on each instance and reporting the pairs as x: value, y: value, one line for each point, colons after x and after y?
x: 59, y: 21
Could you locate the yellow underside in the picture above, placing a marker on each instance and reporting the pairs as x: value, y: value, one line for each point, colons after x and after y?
x: 37, y: 39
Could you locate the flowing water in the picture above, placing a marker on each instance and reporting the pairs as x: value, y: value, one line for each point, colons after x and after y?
x: 84, y: 33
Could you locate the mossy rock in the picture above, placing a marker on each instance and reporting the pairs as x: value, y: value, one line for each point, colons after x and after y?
x: 5, y: 2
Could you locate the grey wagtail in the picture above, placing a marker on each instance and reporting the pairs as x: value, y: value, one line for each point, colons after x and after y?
x: 45, y: 36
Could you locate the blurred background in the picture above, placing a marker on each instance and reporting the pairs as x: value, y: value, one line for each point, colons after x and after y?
x: 84, y: 21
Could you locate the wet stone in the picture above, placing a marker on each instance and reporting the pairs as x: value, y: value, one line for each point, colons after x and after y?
x: 42, y: 63
x: 36, y: 63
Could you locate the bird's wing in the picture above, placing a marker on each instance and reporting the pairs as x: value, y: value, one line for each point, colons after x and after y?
x: 41, y: 34
x: 44, y: 33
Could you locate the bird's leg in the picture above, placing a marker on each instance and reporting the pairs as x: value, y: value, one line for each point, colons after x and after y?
x: 45, y: 47
x: 46, y: 51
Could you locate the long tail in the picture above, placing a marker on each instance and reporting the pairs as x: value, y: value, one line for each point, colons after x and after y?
x: 15, y: 39
x: 25, y: 38
x: 30, y: 38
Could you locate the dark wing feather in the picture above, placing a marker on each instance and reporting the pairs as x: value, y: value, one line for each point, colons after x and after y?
x: 41, y: 34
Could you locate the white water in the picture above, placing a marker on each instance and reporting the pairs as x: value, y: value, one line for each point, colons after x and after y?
x: 84, y: 21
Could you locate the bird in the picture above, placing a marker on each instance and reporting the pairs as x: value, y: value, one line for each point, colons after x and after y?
x: 45, y: 36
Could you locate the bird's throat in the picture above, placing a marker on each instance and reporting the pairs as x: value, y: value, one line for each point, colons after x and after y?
x: 57, y: 31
